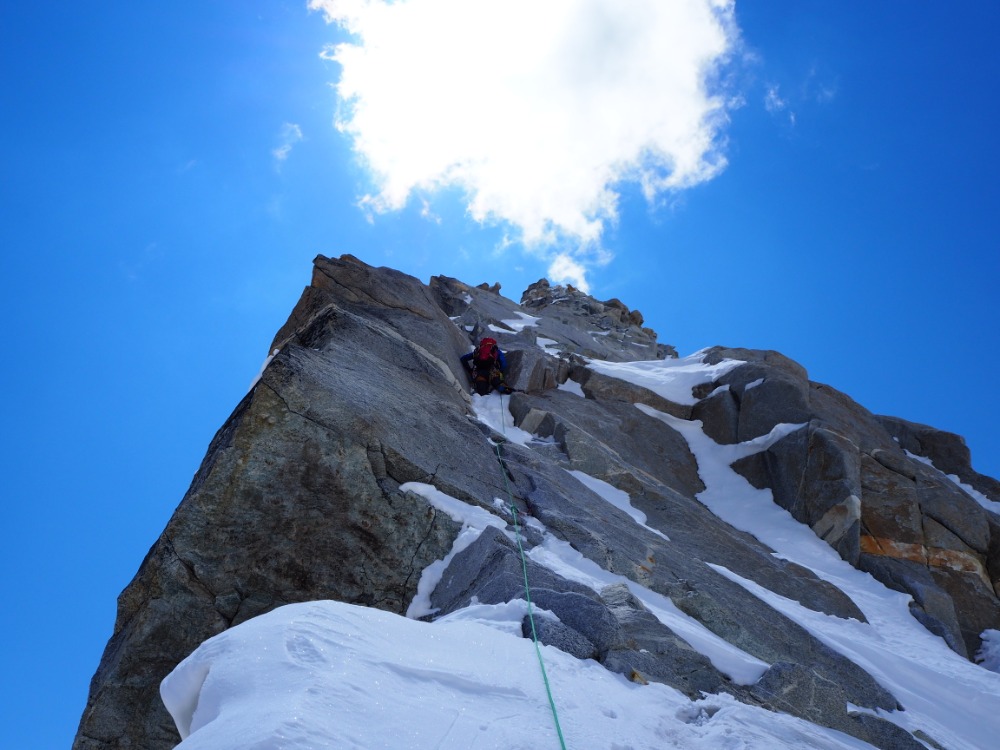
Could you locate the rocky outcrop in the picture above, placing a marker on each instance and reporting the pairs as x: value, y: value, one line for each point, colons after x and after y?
x: 610, y: 320
x: 302, y: 496
x: 870, y: 486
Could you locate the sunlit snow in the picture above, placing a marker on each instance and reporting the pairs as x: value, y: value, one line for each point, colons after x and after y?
x: 473, y: 519
x: 617, y: 498
x: 335, y: 675
x: 671, y: 378
x: 550, y: 346
x: 522, y: 321
x: 494, y: 411
x: 943, y: 694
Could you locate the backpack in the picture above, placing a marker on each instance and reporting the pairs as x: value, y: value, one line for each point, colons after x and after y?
x: 485, y: 356
x: 486, y: 373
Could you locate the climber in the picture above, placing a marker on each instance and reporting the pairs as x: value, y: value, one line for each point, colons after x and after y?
x: 487, y: 366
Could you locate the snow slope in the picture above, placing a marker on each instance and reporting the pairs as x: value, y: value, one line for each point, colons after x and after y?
x: 335, y: 675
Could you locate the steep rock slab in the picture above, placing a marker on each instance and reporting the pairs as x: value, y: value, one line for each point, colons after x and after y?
x: 284, y: 510
x: 297, y: 498
x: 620, y: 329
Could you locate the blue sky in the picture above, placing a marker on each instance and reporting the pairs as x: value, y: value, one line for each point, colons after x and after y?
x: 171, y: 170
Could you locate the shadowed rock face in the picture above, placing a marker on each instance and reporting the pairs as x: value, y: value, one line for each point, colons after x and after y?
x: 299, y: 498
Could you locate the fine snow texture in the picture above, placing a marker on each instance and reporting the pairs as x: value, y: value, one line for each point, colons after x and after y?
x: 335, y: 675
x: 671, y: 378
x: 572, y: 386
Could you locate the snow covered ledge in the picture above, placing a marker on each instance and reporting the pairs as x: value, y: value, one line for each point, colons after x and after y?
x: 330, y: 674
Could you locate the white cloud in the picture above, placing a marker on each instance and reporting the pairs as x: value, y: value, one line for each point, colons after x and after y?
x: 427, y: 213
x: 538, y: 111
x: 564, y: 268
x: 826, y: 93
x: 773, y: 101
x: 290, y: 135
x: 775, y: 104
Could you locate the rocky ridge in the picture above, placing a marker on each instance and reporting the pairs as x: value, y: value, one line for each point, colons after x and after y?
x: 306, y: 493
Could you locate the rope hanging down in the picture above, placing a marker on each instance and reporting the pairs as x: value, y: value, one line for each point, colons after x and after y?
x: 527, y: 589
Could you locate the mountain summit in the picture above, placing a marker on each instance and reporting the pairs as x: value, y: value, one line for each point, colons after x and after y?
x: 719, y: 530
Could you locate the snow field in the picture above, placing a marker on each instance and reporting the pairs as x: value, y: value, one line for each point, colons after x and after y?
x: 335, y: 675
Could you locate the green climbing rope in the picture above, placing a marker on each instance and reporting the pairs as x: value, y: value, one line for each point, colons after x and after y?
x: 527, y: 589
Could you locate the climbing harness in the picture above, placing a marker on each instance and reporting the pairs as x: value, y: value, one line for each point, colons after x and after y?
x: 527, y: 589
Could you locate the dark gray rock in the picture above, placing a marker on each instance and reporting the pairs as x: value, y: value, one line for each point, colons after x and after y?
x: 576, y: 323
x: 532, y: 370
x: 608, y: 327
x: 797, y: 687
x: 946, y: 450
x: 815, y: 474
x: 554, y: 633
x: 652, y: 652
x: 489, y: 571
x: 719, y: 413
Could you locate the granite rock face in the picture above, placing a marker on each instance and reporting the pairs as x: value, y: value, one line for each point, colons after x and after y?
x: 881, y: 491
x: 304, y: 495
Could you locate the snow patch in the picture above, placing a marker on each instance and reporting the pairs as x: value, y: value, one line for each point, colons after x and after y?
x: 521, y: 322
x: 617, y: 498
x: 673, y: 379
x: 988, y: 654
x: 330, y: 674
x: 571, y: 386
x: 263, y: 367
x: 473, y: 519
x: 549, y: 346
x: 494, y: 411
x: 943, y: 693
x: 506, y: 617
x: 719, y: 389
